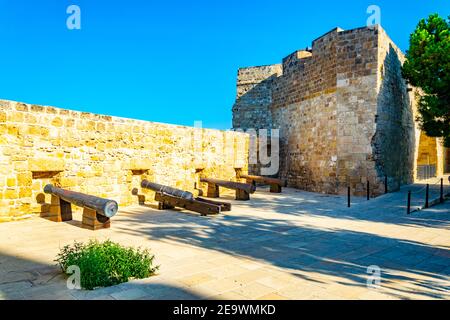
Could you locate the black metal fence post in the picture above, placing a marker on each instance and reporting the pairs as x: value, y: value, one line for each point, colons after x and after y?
x: 408, y: 209
x: 368, y: 190
x: 441, y: 197
x: 348, y: 196
x: 427, y: 195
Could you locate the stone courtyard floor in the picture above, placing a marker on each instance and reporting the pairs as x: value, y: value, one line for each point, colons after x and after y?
x: 294, y: 245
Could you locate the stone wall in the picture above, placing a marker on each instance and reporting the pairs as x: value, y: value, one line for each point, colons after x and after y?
x: 253, y: 100
x: 394, y: 143
x: 443, y: 159
x: 308, y: 143
x: 103, y: 155
x: 345, y: 114
x: 304, y: 109
x: 356, y: 98
x: 254, y: 97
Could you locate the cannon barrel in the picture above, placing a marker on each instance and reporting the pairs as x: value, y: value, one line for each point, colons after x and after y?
x: 262, y: 179
x: 167, y: 190
x: 231, y: 184
x: 104, y: 207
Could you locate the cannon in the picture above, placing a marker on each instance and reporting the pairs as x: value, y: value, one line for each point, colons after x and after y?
x: 275, y: 184
x: 167, y: 190
x: 169, y: 198
x: 243, y: 190
x: 96, y: 211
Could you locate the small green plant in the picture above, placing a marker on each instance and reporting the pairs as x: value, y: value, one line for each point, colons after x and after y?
x: 104, y: 264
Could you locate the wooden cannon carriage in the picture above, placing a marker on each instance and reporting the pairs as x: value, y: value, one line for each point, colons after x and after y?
x: 243, y: 190
x: 96, y: 211
x: 275, y: 184
x: 169, y: 198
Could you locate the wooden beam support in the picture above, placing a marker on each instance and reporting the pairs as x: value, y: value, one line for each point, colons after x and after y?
x: 242, y: 195
x: 224, y: 206
x: 275, y: 184
x: 243, y: 190
x: 94, y: 221
x: 213, y: 191
x: 200, y: 205
x: 60, y: 210
x: 275, y: 188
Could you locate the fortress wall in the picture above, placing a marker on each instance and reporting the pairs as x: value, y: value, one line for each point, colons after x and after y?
x: 346, y: 116
x: 253, y: 100
x: 397, y: 135
x: 304, y: 109
x: 357, y: 54
x: 308, y: 143
x: 254, y: 97
x: 102, y: 155
x: 324, y: 103
x: 307, y: 74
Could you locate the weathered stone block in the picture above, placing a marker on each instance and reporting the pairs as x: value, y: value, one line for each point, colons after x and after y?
x: 46, y: 164
x: 11, y: 194
x: 57, y: 122
x: 24, y: 179
x: 11, y: 182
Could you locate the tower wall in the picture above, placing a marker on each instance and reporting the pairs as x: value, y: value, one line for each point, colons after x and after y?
x: 345, y: 114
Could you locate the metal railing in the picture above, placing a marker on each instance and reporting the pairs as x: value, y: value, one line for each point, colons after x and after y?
x: 426, y: 171
x: 438, y: 188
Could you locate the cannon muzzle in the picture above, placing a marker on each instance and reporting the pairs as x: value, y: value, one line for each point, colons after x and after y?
x: 104, y: 207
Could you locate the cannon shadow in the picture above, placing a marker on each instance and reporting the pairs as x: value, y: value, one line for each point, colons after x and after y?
x: 305, y: 250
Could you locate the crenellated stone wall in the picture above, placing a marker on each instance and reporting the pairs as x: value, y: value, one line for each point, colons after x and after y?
x: 304, y: 109
x: 254, y: 96
x: 345, y: 114
x: 103, y: 155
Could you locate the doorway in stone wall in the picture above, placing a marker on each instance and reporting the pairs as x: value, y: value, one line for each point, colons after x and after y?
x: 427, y: 157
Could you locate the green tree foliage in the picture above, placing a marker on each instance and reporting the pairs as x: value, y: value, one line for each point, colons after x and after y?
x: 427, y: 66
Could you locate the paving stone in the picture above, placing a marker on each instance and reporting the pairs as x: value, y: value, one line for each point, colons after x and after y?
x: 11, y: 296
x: 226, y: 271
x: 273, y: 282
x: 339, y: 245
x: 196, y: 279
x: 254, y: 290
x: 272, y: 296
x: 106, y: 297
x: 229, y: 295
x: 15, y: 286
x: 130, y: 294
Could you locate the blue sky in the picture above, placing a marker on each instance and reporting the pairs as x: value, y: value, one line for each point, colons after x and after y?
x: 168, y: 61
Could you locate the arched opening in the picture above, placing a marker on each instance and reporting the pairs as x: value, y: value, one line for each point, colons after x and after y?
x: 427, y: 159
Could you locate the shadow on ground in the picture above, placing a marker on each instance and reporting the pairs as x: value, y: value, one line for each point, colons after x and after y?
x: 307, y: 250
x: 22, y: 279
x: 313, y: 237
x: 387, y: 208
